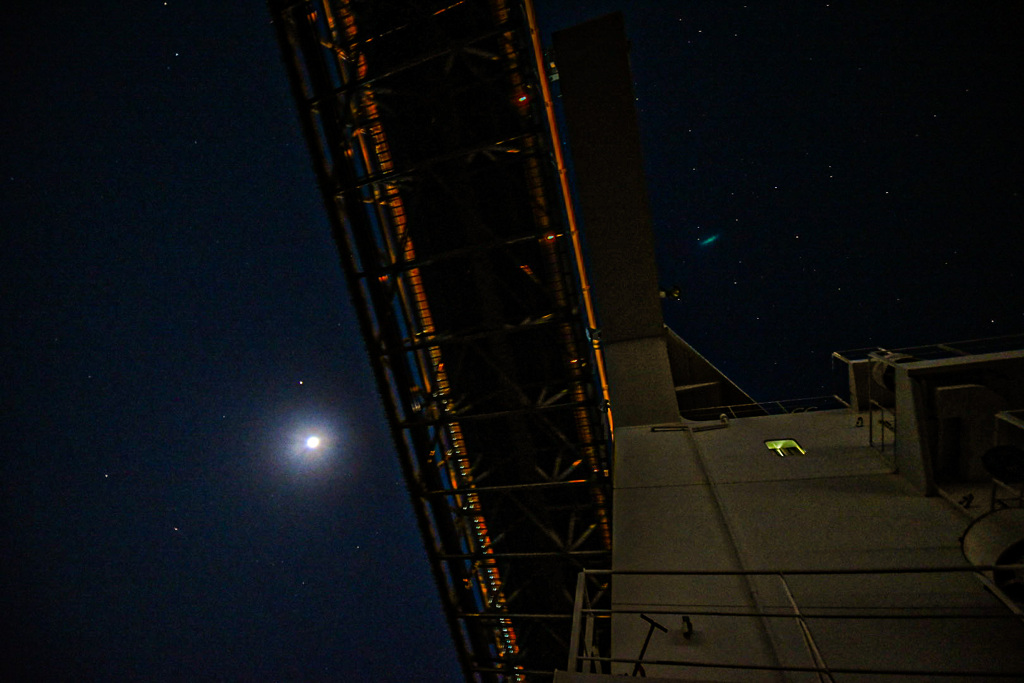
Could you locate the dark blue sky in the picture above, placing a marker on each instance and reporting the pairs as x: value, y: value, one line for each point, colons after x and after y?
x: 175, y: 321
x: 861, y: 165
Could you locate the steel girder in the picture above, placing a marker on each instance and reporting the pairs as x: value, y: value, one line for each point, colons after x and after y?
x: 434, y: 153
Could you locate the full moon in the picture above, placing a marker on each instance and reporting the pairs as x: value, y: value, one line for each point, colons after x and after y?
x: 313, y: 442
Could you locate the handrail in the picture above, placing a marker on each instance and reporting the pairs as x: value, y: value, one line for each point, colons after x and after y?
x: 806, y: 572
x: 576, y: 658
x: 968, y: 347
x: 866, y: 671
x: 759, y: 408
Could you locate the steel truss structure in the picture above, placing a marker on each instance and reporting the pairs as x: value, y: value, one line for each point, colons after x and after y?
x: 434, y: 145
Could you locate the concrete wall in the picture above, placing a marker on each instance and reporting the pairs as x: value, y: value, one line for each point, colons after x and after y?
x: 604, y: 136
x: 667, y: 518
x: 969, y: 389
x: 719, y: 499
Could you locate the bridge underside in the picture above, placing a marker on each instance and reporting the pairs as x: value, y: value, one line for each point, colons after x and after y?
x: 432, y: 143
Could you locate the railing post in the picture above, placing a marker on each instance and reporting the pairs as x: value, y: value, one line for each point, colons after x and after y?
x: 588, y: 640
x: 574, y: 638
x: 812, y: 647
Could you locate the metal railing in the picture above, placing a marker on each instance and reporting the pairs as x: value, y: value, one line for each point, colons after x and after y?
x: 886, y: 421
x: 783, y: 407
x: 586, y: 618
x: 966, y: 347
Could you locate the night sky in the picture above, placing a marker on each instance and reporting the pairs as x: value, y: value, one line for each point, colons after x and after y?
x: 175, y: 323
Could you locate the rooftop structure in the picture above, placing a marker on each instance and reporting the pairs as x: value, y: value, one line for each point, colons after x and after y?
x: 882, y: 539
x: 830, y: 538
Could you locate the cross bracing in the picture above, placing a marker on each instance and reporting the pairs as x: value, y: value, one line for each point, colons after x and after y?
x: 430, y: 130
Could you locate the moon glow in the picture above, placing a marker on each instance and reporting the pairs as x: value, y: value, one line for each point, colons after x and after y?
x: 313, y: 442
